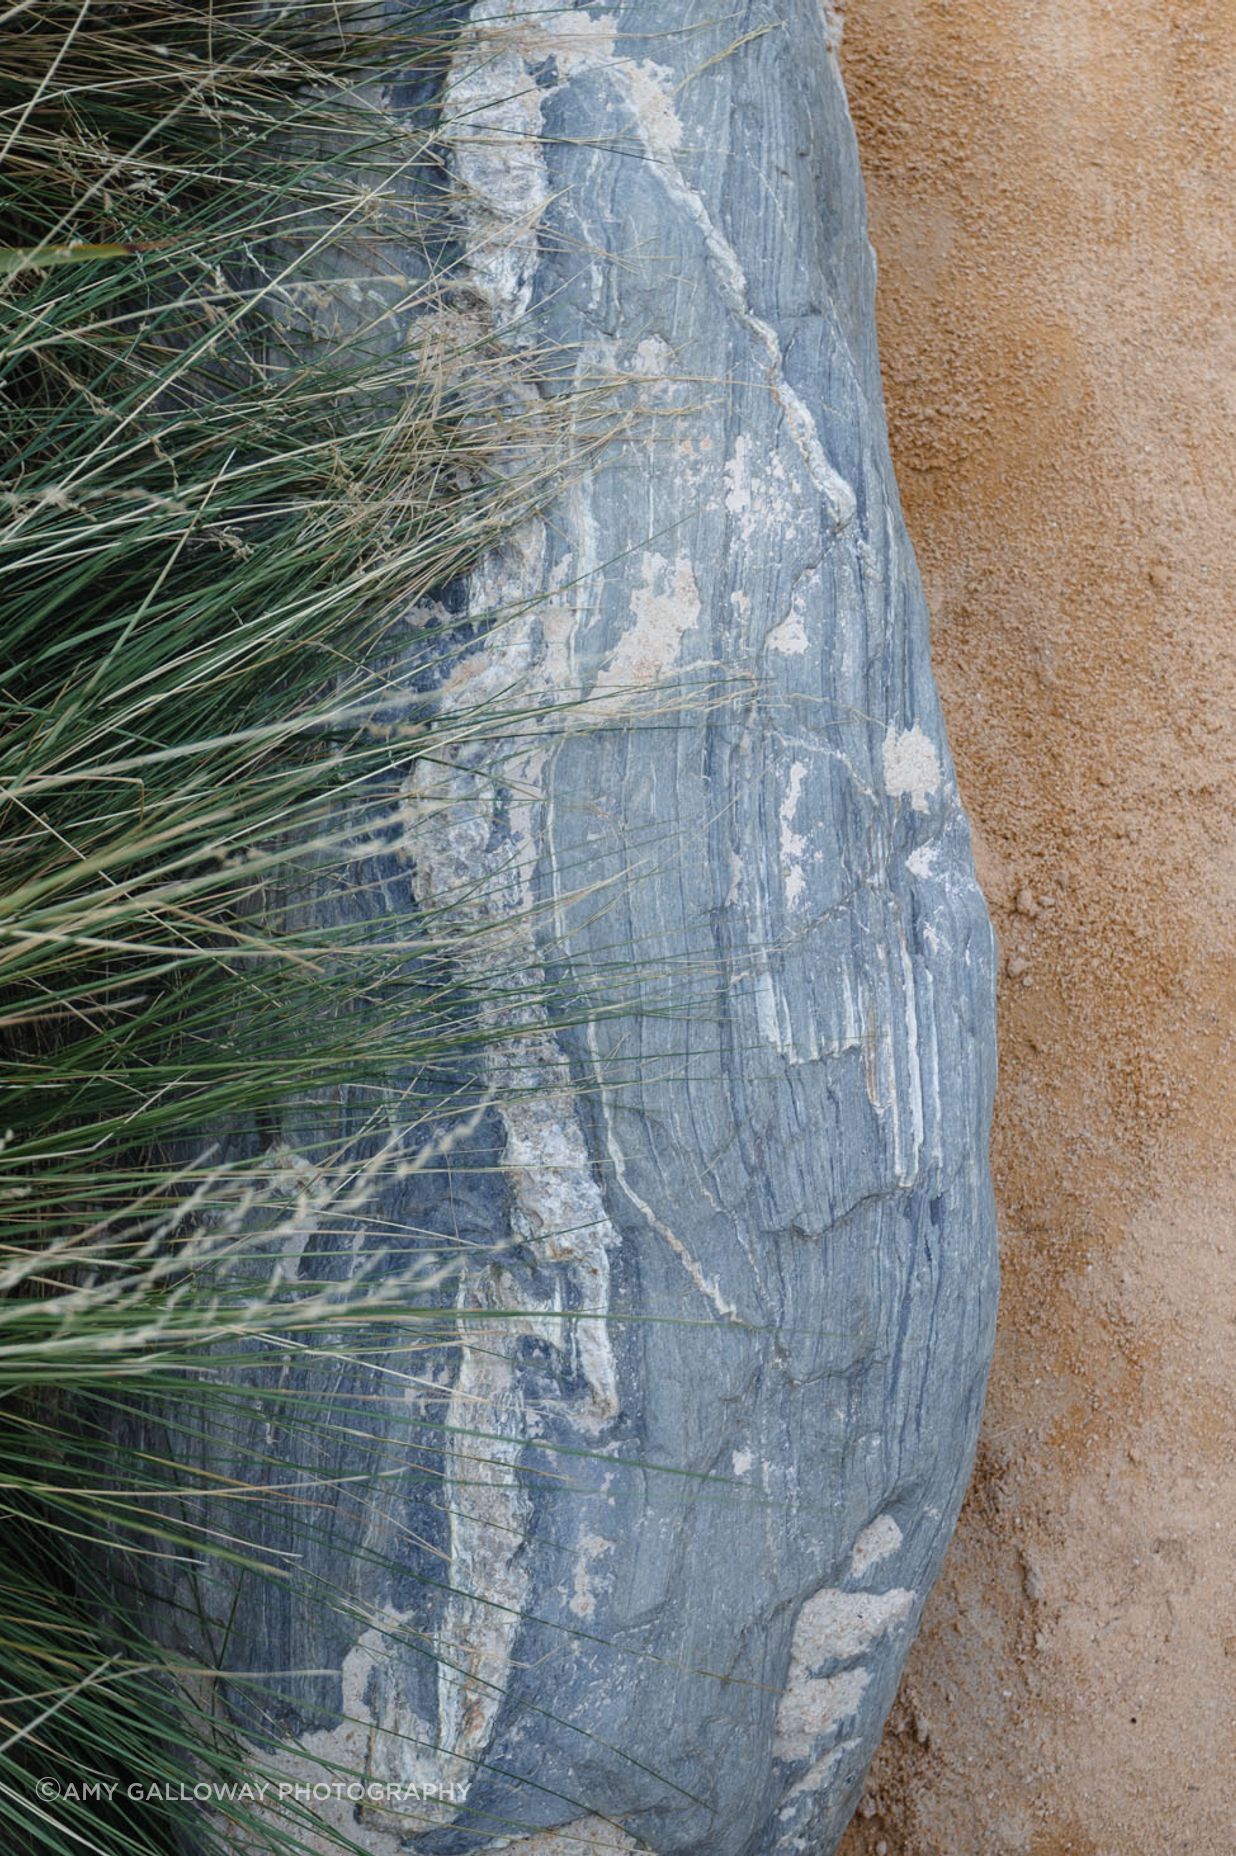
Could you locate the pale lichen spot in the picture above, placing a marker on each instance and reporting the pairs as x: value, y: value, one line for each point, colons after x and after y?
x: 583, y: 1598
x: 833, y: 1626
x: 664, y: 606
x: 790, y: 637
x: 737, y: 474
x: 812, y: 1706
x: 653, y: 357
x: 878, y: 1541
x: 911, y: 765
x: 577, y: 42
x: 650, y: 92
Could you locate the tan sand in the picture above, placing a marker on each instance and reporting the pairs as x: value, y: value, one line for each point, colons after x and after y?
x: 1053, y: 202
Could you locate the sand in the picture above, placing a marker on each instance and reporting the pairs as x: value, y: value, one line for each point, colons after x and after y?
x: 1053, y: 203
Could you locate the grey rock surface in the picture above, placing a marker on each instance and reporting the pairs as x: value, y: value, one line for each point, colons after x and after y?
x: 670, y: 1528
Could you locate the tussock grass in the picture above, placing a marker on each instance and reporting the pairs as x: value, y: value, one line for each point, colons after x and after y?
x: 244, y: 451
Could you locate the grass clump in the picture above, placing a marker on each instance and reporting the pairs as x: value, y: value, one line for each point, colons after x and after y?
x: 243, y: 452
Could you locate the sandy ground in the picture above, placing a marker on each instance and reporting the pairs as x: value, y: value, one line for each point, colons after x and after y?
x: 1053, y: 202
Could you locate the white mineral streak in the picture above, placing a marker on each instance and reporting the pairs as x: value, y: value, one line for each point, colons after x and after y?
x: 833, y: 1626
x: 878, y: 1541
x: 930, y: 1069
x: 450, y: 813
x: 883, y: 1091
x: 894, y: 1071
x: 772, y: 1015
x: 914, y: 1064
x: 707, y: 1285
x: 793, y: 843
x: 520, y: 36
x: 911, y: 765
x: 492, y: 112
x: 648, y: 90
